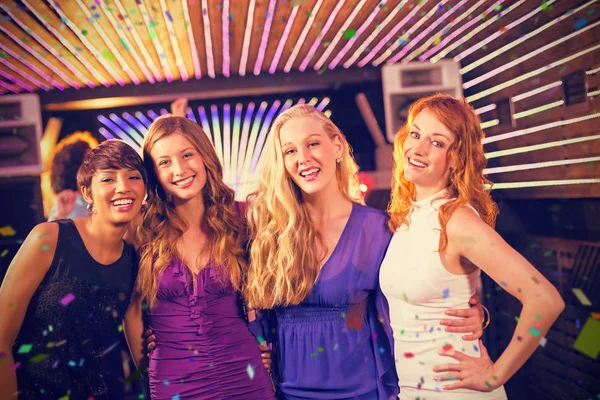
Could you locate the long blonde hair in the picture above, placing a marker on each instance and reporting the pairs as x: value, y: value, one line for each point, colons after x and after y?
x: 162, y: 226
x: 284, y: 263
x: 466, y: 184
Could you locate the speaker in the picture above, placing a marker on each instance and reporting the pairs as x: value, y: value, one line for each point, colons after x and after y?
x: 403, y: 84
x: 20, y: 135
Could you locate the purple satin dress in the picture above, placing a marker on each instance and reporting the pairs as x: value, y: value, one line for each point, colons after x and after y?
x: 333, y: 345
x: 204, y: 349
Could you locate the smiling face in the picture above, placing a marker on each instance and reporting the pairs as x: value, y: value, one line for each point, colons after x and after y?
x: 117, y: 194
x: 310, y: 154
x: 425, y: 150
x: 178, y: 167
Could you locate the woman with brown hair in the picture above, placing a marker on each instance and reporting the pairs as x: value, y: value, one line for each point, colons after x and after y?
x: 69, y: 287
x: 192, y: 259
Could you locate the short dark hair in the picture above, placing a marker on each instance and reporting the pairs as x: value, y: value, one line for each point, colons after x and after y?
x: 65, y: 164
x: 110, y: 154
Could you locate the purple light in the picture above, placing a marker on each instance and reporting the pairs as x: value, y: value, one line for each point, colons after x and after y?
x: 227, y: 142
x: 152, y: 114
x: 135, y: 135
x: 321, y: 35
x: 204, y: 122
x: 117, y: 131
x: 216, y: 132
x: 142, y: 118
x: 9, y: 87
x: 265, y: 36
x: 266, y: 126
x: 137, y: 124
x: 284, y: 36
x: 244, y: 138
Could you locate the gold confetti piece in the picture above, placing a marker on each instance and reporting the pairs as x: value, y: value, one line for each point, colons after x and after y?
x: 7, y: 231
x: 583, y: 299
x: 587, y: 342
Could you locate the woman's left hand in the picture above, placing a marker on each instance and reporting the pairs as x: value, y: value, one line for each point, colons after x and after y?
x: 470, y: 373
x: 470, y: 321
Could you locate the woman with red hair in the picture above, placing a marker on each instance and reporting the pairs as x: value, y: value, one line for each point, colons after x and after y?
x: 443, y: 217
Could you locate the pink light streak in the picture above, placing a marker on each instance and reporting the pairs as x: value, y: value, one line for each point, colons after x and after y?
x: 49, y: 48
x: 284, y: 36
x: 17, y: 81
x: 459, y: 31
x: 25, y: 75
x: 300, y: 41
x: 148, y: 59
x: 408, y: 33
x: 265, y: 37
x: 321, y: 35
x: 210, y: 60
x: 247, y: 33
x: 391, y: 34
x: 365, y: 43
x: 424, y: 33
x: 57, y: 71
x: 191, y: 40
x: 225, y: 23
x: 338, y: 35
x: 41, y: 73
x: 352, y: 40
x: 67, y: 44
x: 168, y: 19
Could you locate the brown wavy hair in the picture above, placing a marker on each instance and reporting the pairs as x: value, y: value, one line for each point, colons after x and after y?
x: 162, y: 226
x: 284, y: 264
x: 466, y: 184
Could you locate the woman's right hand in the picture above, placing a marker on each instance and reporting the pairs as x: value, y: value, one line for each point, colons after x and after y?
x: 149, y: 341
x: 265, y: 356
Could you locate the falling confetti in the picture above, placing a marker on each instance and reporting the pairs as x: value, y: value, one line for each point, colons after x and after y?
x: 250, y: 370
x: 587, y: 341
x: 39, y: 358
x: 583, y: 299
x: 67, y: 299
x: 534, y: 332
x: 7, y: 231
x: 350, y: 33
x: 25, y: 348
x: 409, y: 355
x: 581, y: 23
x: 543, y: 341
x: 446, y: 293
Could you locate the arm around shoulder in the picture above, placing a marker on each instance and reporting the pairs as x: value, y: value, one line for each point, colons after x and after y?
x: 24, y: 275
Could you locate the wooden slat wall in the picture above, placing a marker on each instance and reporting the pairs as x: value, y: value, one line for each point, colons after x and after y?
x: 557, y: 370
x: 587, y: 36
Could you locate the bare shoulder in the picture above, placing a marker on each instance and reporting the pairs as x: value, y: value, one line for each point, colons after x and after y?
x: 41, y: 242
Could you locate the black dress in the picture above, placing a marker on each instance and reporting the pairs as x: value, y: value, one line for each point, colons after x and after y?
x: 72, y: 328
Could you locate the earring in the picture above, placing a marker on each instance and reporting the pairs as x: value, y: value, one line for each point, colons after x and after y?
x: 91, y: 210
x: 338, y: 160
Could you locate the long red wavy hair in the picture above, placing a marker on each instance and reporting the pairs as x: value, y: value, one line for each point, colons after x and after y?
x: 466, y: 184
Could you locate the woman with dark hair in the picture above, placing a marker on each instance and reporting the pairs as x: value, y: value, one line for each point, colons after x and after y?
x: 69, y: 287
x: 68, y: 157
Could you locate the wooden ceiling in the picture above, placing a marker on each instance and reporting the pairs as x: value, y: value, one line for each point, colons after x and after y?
x: 46, y: 45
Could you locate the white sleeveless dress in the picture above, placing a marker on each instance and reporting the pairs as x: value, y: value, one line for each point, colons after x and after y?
x: 419, y: 290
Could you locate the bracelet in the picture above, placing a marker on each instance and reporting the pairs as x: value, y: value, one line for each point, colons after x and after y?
x: 486, y: 321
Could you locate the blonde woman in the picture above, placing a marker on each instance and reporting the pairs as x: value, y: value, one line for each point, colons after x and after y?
x: 190, y: 272
x: 315, y: 257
